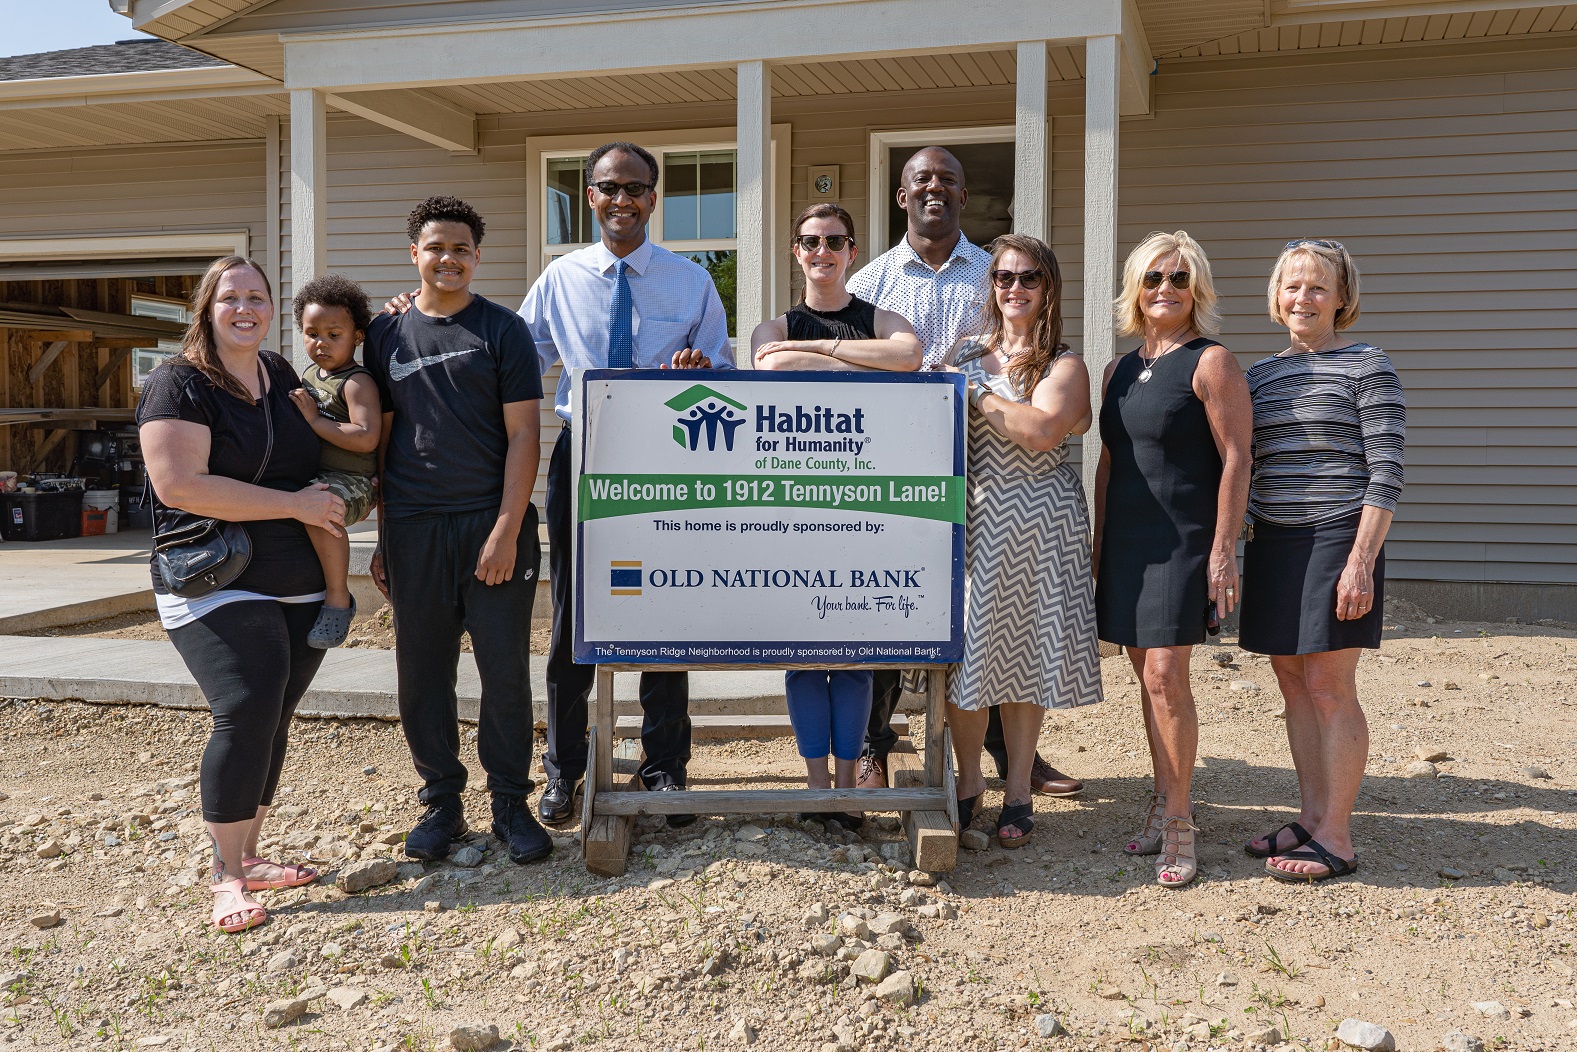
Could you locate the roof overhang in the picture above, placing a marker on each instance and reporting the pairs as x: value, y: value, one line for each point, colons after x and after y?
x: 205, y: 81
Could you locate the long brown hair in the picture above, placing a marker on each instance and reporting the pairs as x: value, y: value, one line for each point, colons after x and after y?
x: 1046, y: 333
x: 198, y: 346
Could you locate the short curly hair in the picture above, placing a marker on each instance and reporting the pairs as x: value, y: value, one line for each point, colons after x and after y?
x: 334, y: 290
x: 444, y: 210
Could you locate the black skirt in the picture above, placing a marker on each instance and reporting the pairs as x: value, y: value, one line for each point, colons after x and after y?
x: 1289, y: 590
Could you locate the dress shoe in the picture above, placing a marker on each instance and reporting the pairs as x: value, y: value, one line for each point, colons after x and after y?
x: 512, y: 823
x: 873, y: 773
x: 557, y: 804
x: 676, y: 821
x: 1044, y: 778
x: 440, y: 826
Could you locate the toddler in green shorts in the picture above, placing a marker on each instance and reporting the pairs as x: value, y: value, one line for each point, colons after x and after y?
x: 340, y: 401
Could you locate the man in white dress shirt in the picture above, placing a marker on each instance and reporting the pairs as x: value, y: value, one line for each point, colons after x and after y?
x: 621, y: 303
x: 937, y: 280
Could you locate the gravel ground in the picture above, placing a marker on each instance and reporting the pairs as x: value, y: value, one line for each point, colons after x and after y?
x: 769, y: 932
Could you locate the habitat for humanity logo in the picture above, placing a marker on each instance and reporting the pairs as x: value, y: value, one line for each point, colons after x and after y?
x: 624, y: 577
x: 703, y: 411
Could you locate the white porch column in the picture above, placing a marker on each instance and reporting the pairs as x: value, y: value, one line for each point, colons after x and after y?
x: 308, y: 186
x: 1100, y: 225
x: 1031, y: 154
x: 753, y: 201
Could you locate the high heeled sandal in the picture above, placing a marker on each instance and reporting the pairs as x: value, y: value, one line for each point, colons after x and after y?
x: 1177, y: 866
x: 1148, y: 842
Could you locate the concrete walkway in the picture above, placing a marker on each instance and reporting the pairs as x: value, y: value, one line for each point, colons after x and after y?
x: 48, y: 583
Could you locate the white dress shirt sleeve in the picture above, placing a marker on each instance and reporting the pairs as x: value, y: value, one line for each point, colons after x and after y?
x: 534, y: 311
x: 711, y: 335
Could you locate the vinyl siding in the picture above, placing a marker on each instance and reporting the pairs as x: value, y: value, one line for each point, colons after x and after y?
x: 1447, y: 172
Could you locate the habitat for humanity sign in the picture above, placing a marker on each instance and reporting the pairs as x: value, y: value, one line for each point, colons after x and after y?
x: 769, y: 518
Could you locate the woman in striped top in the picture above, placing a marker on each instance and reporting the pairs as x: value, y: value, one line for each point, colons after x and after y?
x: 1329, y: 426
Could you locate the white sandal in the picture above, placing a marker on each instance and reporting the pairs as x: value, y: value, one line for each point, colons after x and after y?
x: 1148, y: 842
x: 1177, y: 866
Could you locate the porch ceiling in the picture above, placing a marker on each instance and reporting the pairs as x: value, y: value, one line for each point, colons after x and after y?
x: 125, y: 123
x: 906, y: 73
x: 1429, y: 28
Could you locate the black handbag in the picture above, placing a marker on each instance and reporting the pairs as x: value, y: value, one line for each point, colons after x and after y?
x: 206, y: 555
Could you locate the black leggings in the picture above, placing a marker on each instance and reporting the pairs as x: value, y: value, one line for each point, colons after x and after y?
x: 253, y: 664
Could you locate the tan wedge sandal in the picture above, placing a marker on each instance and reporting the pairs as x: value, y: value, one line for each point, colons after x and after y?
x: 1177, y: 866
x: 1148, y: 842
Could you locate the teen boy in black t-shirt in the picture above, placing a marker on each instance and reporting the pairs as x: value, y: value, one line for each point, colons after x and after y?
x: 458, y: 546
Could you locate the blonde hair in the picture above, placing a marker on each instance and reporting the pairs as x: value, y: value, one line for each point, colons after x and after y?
x: 1206, y: 317
x: 1333, y: 259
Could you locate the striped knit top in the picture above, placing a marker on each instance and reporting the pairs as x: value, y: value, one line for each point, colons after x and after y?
x: 1329, y: 430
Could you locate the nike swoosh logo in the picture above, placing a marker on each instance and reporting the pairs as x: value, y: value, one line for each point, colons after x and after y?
x: 399, y: 370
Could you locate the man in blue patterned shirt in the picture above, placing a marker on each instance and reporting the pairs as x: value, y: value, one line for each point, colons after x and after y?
x: 938, y: 281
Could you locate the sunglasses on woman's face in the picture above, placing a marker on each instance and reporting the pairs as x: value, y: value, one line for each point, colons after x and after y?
x: 1027, y: 279
x: 834, y: 242
x: 1179, y: 278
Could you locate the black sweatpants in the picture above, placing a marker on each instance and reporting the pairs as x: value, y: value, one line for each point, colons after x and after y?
x: 252, y: 662
x: 431, y: 565
x: 665, y: 696
x: 880, y: 736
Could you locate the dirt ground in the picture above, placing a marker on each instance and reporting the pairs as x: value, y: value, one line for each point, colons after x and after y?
x: 722, y: 935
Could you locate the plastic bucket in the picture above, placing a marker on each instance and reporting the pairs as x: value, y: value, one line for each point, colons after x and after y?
x: 100, y: 511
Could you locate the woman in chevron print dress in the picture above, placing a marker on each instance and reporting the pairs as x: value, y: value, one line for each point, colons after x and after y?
x: 1029, y: 618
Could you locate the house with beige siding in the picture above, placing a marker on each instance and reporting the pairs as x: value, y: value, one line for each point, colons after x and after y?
x: 1436, y: 138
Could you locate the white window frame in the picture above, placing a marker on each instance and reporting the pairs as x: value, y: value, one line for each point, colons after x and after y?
x: 883, y: 141
x: 173, y: 310
x: 541, y: 149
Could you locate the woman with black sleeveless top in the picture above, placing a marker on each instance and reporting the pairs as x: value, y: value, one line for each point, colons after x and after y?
x: 832, y: 329
x: 1169, y: 498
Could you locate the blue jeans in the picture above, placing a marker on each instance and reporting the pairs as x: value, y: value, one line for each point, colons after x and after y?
x: 829, y: 709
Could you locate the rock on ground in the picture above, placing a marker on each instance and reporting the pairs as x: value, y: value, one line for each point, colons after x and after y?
x: 872, y: 966
x: 279, y: 1013
x: 1456, y: 1041
x: 1369, y: 1036
x: 1492, y: 1009
x: 897, y: 989
x: 359, y: 876
x: 1047, y: 1025
x: 473, y: 1037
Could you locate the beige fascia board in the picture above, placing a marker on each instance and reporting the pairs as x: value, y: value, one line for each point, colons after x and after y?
x: 152, y: 245
x: 1135, y: 63
x: 676, y: 38
x: 416, y: 113
x: 1306, y: 12
x: 142, y: 87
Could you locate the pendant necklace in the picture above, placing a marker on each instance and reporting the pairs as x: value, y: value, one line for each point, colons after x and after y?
x: 1149, y: 363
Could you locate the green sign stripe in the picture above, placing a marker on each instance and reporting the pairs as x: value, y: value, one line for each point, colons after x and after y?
x: 939, y: 497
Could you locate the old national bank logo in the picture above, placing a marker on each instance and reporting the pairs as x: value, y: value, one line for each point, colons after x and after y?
x: 705, y: 413
x: 624, y: 577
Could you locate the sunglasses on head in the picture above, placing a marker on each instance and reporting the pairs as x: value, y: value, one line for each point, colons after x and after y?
x: 609, y: 188
x: 1028, y: 279
x: 1180, y: 279
x: 1322, y: 242
x: 834, y: 242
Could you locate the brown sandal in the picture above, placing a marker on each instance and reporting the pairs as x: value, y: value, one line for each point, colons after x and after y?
x: 1177, y: 866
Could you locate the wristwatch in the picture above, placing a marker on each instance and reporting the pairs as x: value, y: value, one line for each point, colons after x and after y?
x: 977, y: 391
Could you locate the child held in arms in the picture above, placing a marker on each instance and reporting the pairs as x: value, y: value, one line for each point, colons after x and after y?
x: 340, y: 401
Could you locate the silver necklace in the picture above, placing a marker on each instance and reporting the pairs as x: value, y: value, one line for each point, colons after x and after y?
x: 1149, y: 363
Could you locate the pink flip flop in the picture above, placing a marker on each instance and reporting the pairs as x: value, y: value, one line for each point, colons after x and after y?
x: 295, y: 876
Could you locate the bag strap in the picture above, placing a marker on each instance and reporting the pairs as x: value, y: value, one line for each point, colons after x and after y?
x: 268, y: 417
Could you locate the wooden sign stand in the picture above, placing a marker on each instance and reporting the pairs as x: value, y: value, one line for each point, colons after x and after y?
x: 930, y: 809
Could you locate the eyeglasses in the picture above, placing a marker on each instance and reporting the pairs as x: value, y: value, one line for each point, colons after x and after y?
x: 609, y: 188
x: 1180, y: 279
x: 1026, y: 279
x: 834, y: 242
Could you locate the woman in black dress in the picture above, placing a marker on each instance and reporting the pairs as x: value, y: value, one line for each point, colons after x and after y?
x: 1169, y: 497
x: 831, y: 329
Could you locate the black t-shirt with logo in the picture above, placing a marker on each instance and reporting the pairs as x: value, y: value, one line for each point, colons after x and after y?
x: 283, y: 562
x: 447, y: 380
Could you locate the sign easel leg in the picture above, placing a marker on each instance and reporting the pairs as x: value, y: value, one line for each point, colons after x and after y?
x: 932, y: 840
x: 606, y: 837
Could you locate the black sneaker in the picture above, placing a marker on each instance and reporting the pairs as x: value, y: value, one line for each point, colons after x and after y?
x: 676, y: 821
x: 513, y: 824
x: 441, y: 825
x: 557, y: 803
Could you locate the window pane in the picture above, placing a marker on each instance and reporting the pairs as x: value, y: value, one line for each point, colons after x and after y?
x: 721, y: 266
x: 698, y: 195
x: 988, y: 172
x: 569, y: 220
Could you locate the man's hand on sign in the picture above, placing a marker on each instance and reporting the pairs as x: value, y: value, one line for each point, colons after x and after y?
x: 690, y: 358
x: 401, y: 303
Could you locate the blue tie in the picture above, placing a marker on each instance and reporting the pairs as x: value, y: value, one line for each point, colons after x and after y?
x: 621, y: 337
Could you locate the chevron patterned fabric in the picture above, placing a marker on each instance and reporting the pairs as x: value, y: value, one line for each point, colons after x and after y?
x: 1029, y: 622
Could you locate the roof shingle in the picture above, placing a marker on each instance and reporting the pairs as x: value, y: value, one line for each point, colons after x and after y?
x: 128, y: 56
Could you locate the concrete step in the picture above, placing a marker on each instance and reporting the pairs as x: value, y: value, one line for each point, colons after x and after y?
x: 352, y: 682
